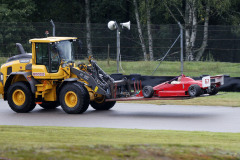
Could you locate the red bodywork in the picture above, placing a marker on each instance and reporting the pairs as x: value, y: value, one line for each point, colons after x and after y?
x: 167, y: 89
x: 175, y: 89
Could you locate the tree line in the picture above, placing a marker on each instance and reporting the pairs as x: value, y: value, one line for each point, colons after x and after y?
x: 190, y: 13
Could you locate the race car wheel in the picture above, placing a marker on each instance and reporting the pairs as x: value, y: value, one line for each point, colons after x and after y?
x: 213, y: 90
x: 50, y: 105
x: 194, y: 90
x: 20, y: 98
x: 74, y: 98
x: 101, y: 104
x: 148, y: 91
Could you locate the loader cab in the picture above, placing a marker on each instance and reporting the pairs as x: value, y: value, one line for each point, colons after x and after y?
x: 47, y: 55
x: 51, y: 54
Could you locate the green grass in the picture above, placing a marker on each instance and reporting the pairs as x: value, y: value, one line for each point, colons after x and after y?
x: 167, y: 68
x: 173, y: 68
x: 222, y: 99
x: 19, y: 142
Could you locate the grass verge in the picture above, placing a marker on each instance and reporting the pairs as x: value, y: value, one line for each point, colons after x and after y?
x: 221, y: 99
x: 19, y: 142
x: 168, y: 68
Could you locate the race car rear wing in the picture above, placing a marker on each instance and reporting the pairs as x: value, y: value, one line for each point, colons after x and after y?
x: 218, y: 79
x: 209, y: 80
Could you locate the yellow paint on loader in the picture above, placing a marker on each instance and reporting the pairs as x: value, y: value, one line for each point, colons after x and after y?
x: 43, y: 77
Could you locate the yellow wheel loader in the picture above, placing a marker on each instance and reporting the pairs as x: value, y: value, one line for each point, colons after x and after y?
x: 49, y: 77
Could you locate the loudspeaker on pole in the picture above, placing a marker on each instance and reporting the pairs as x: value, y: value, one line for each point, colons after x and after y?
x: 126, y: 24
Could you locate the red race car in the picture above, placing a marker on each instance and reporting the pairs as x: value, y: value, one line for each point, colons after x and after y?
x: 183, y: 86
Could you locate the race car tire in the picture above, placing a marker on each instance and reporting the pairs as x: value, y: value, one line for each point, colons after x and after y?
x: 148, y: 91
x: 213, y: 90
x: 194, y: 90
x: 74, y: 98
x: 102, y: 106
x: 50, y: 105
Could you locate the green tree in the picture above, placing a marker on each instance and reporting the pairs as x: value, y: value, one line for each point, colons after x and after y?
x: 194, y: 12
x: 64, y: 11
x: 12, y: 12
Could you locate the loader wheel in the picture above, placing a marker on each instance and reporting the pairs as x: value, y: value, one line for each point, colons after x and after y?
x: 101, y: 104
x: 50, y: 105
x: 74, y: 98
x: 148, y: 91
x: 20, y: 98
x: 194, y: 90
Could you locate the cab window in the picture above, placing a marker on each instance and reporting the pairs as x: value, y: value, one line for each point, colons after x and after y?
x: 47, y: 55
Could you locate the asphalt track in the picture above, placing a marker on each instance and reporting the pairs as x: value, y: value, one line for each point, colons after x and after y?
x: 129, y: 115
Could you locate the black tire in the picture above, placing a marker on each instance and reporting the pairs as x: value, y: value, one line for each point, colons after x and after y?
x: 50, y: 105
x: 74, y: 98
x: 194, y: 90
x: 20, y: 98
x: 213, y: 90
x: 102, y: 104
x: 148, y: 91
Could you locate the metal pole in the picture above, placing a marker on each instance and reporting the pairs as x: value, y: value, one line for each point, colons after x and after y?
x: 53, y: 25
x: 166, y: 54
x: 118, y: 48
x: 108, y: 58
x: 181, y: 45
